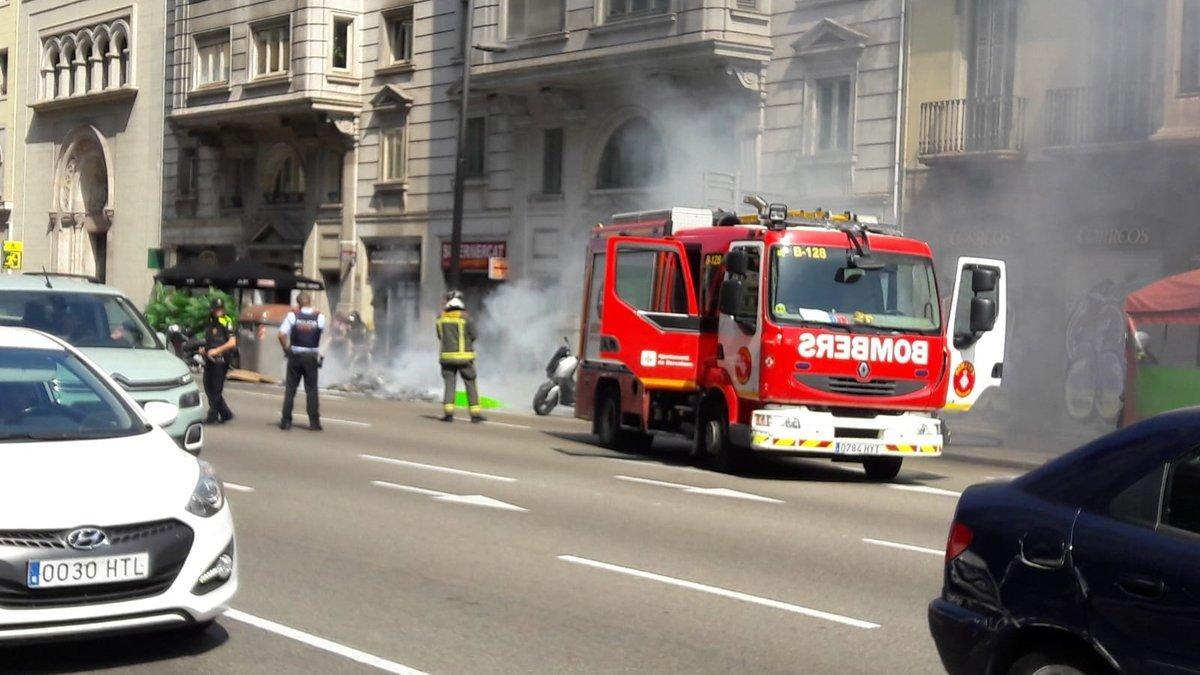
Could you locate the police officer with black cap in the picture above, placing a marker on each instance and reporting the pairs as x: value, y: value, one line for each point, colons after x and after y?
x: 300, y: 337
x: 219, y: 340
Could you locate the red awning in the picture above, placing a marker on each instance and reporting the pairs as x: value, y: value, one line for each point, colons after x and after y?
x: 1172, y: 300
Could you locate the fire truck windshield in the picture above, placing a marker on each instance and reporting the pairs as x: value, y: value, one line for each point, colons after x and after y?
x: 814, y: 285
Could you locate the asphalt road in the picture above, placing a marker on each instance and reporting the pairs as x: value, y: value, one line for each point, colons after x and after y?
x: 393, y: 541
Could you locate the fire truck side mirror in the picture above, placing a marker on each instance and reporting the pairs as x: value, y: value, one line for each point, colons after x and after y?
x: 984, y: 279
x: 731, y: 296
x: 983, y: 315
x: 736, y: 262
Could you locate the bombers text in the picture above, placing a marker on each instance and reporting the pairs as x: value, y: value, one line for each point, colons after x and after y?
x: 875, y: 348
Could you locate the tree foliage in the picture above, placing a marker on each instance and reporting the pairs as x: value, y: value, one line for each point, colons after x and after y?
x: 186, y: 308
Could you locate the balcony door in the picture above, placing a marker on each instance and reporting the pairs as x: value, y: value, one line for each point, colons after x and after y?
x: 990, y: 110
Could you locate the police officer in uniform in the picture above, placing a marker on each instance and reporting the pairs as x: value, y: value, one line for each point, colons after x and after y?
x: 219, y: 340
x: 300, y: 337
x: 456, y: 334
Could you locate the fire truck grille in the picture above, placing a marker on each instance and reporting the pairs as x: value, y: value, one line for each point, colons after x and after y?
x: 849, y: 386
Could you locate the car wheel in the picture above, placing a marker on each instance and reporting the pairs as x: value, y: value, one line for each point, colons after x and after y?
x: 882, y: 468
x: 1054, y: 662
x: 608, y: 421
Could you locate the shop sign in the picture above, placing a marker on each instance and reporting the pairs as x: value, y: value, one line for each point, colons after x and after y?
x: 498, y: 269
x: 1113, y: 237
x: 474, y: 255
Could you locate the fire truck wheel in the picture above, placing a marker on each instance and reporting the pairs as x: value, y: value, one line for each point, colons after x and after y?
x: 608, y: 422
x: 882, y: 468
x: 714, y: 445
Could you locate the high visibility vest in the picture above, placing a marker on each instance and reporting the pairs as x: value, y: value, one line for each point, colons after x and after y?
x: 455, y: 338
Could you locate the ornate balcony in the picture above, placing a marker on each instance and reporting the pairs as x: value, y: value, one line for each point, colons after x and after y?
x: 1117, y: 112
x: 990, y: 127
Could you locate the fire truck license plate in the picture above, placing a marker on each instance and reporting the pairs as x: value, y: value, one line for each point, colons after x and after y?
x: 857, y: 448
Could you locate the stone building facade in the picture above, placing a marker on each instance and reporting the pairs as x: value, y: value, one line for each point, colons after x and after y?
x: 1062, y: 137
x: 87, y: 110
x: 8, y: 70
x: 338, y: 158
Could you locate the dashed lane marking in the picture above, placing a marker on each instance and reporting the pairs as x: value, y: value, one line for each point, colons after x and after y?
x: 322, y: 644
x: 723, y: 592
x: 692, y: 489
x: 351, y: 422
x: 904, y: 547
x: 440, y: 469
x: 925, y: 489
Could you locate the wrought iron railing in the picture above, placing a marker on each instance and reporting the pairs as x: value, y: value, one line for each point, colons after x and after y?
x: 990, y: 124
x: 1108, y: 113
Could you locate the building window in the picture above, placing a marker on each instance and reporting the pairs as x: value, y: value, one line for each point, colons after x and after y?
x: 1189, y: 65
x: 633, y: 157
x: 534, y: 17
x: 993, y: 49
x: 212, y: 59
x: 272, y: 49
x: 833, y: 114
x: 552, y: 161
x: 748, y: 4
x: 400, y: 36
x: 334, y: 172
x: 476, y: 147
x: 188, y: 172
x: 86, y: 62
x: 3, y: 72
x: 286, y: 178
x: 343, y: 41
x: 393, y: 157
x: 621, y: 9
x: 231, y: 184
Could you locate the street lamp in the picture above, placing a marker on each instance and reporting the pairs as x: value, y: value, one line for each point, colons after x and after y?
x: 460, y: 158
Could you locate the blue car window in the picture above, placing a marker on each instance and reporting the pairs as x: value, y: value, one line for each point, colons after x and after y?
x: 1141, y: 502
x: 1182, y: 504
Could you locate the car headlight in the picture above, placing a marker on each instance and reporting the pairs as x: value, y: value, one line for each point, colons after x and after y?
x: 190, y: 399
x: 208, y: 498
x: 186, y: 378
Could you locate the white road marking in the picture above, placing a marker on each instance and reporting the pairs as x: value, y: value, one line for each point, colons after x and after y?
x: 322, y: 644
x: 473, y: 500
x: 999, y: 477
x: 238, y: 488
x: 337, y: 421
x: 925, y: 489
x: 905, y: 547
x: 507, y: 424
x: 440, y: 469
x: 261, y: 394
x: 711, y: 492
x: 723, y: 592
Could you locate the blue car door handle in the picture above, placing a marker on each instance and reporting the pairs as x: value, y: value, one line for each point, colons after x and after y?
x: 1140, y: 586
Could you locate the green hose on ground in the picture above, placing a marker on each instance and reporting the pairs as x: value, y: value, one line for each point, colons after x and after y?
x: 460, y: 400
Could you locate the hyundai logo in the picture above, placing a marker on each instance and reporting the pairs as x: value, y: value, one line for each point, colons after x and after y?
x: 864, y: 370
x: 87, y: 538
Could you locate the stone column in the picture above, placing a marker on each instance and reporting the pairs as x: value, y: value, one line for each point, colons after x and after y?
x: 349, y: 298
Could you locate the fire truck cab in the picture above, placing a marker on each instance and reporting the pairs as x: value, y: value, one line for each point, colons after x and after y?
x: 794, y: 332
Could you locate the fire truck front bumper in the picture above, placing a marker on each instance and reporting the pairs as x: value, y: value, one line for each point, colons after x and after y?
x: 805, y: 432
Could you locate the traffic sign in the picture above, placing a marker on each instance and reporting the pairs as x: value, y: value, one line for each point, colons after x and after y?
x: 14, y: 255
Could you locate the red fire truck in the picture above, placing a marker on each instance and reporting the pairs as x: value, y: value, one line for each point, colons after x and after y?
x: 795, y: 332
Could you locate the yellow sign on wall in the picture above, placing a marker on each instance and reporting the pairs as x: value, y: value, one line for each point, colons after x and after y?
x: 14, y: 254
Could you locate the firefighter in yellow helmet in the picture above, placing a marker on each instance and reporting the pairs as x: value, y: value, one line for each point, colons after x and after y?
x: 456, y: 336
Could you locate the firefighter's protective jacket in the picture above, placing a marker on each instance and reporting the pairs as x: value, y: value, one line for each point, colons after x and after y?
x: 457, y: 337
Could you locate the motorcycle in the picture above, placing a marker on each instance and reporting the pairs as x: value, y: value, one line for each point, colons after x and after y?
x: 561, y: 385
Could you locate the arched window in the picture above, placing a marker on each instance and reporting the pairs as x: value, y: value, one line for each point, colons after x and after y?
x: 632, y: 158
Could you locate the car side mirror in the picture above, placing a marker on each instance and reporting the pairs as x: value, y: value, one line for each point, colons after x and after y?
x: 162, y: 337
x: 731, y: 297
x: 984, y: 279
x: 737, y: 262
x: 160, y: 413
x: 983, y: 315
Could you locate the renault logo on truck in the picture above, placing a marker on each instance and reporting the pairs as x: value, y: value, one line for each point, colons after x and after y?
x: 864, y: 348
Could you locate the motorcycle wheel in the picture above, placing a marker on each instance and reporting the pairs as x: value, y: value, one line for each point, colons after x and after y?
x: 546, y: 398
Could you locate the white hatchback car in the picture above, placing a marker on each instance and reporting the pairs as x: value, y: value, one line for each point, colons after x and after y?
x: 106, y: 525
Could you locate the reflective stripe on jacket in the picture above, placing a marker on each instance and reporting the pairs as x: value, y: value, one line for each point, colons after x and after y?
x: 456, y: 336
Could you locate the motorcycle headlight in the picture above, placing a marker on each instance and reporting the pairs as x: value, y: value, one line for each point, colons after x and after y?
x: 208, y: 498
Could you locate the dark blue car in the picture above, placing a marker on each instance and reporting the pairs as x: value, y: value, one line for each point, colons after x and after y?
x: 1089, y: 564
